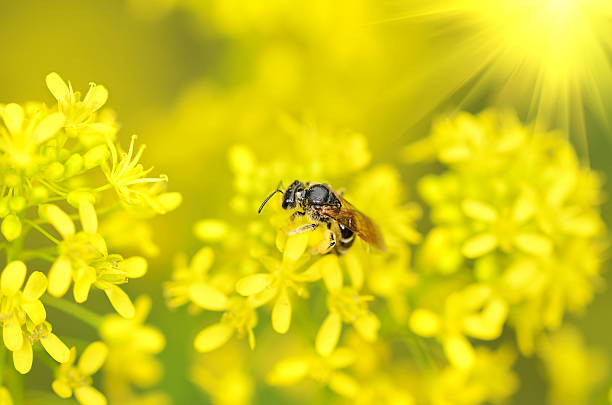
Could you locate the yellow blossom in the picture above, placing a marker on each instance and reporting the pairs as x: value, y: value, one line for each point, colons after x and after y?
x: 79, y: 113
x: 23, y: 316
x: 127, y: 176
x: 84, y: 258
x: 239, y: 317
x: 76, y: 379
x: 131, y: 346
x: 325, y: 370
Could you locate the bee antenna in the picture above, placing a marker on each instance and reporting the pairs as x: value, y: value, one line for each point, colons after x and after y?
x: 278, y: 190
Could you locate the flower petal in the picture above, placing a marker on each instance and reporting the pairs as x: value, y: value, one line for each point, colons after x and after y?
x: 35, y: 310
x: 459, y: 351
x: 96, y: 97
x: 288, y: 371
x: 92, y: 358
x: 56, y: 348
x: 367, y: 326
x: 202, y: 260
x: 60, y: 276
x: 534, y: 243
x: 135, y: 266
x: 479, y: 245
x: 48, y: 127
x: 281, y: 313
x: 208, y: 297
x: 13, y: 117
x: 331, y: 272
x: 84, y: 279
x: 328, y: 334
x: 12, y: 277
x: 424, y: 322
x: 22, y: 358
x: 88, y: 395
x: 89, y: 218
x: 62, y: 388
x: 295, y: 247
x: 57, y: 86
x: 58, y: 218
x: 254, y: 283
x: 344, y: 385
x: 479, y: 210
x: 12, y: 335
x: 213, y: 337
x: 35, y: 287
x: 120, y: 301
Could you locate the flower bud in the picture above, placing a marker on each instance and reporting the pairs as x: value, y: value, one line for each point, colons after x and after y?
x: 95, y: 156
x: 17, y: 203
x: 11, y: 227
x: 74, y: 197
x: 54, y: 171
x: 38, y: 194
x: 73, y: 165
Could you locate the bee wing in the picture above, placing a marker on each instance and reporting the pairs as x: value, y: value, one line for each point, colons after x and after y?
x: 356, y: 221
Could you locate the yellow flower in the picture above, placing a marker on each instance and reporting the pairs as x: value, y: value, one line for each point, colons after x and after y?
x: 516, y: 210
x: 191, y: 284
x: 5, y: 397
x: 127, y: 176
x: 239, y: 317
x: 490, y: 380
x: 573, y: 370
x: 23, y: 316
x: 131, y: 346
x: 76, y: 379
x: 345, y: 305
x: 24, y: 131
x: 475, y: 311
x: 223, y: 376
x: 84, y: 258
x: 79, y: 113
x: 283, y: 275
x: 323, y: 369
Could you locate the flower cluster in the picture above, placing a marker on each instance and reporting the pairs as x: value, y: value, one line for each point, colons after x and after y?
x: 331, y: 316
x: 58, y: 164
x: 517, y: 237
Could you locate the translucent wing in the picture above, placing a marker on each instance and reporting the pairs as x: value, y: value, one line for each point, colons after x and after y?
x: 356, y: 221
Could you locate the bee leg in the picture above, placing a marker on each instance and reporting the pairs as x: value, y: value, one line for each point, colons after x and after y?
x: 304, y: 228
x: 326, y: 246
x: 332, y: 240
x: 296, y: 214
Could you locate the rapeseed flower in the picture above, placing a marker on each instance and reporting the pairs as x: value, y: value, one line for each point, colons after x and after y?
x: 52, y: 162
x: 512, y: 212
x: 132, y: 345
x: 23, y: 317
x: 76, y: 378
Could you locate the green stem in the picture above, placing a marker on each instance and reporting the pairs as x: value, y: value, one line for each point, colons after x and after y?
x: 32, y: 254
x: 41, y: 230
x: 2, y: 362
x: 104, y: 187
x: 91, y: 318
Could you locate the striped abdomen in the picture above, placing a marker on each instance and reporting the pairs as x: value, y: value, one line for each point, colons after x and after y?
x: 347, y: 237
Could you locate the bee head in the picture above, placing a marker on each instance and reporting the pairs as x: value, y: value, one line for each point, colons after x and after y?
x: 294, y: 195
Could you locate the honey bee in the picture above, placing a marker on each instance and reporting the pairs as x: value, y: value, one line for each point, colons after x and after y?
x: 323, y: 205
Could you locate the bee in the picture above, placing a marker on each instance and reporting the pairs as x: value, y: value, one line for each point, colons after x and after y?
x: 323, y: 205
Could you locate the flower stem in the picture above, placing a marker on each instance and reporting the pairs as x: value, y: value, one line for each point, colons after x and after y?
x: 41, y: 230
x: 91, y: 318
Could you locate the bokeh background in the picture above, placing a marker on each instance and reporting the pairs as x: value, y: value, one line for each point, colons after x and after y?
x: 194, y: 78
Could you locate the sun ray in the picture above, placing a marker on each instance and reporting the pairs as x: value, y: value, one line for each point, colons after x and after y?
x: 548, y: 59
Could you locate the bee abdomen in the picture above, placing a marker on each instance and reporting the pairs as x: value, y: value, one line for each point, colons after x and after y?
x: 347, y: 237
